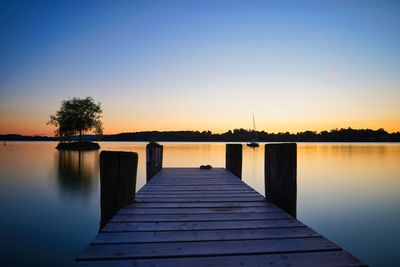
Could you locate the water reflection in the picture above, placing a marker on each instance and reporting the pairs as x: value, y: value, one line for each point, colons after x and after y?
x: 350, y: 193
x: 77, y: 172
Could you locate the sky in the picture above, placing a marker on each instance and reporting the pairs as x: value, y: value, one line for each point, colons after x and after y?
x: 202, y: 65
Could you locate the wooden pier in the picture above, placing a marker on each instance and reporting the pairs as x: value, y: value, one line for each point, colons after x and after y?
x: 194, y: 217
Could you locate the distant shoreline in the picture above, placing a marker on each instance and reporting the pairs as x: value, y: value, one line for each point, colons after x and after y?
x: 237, y: 135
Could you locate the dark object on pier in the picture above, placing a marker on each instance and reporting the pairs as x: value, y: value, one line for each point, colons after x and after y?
x: 252, y: 144
x: 78, y: 146
x: 118, y: 171
x: 233, y: 159
x: 154, y: 159
x: 281, y: 175
x: 205, y: 167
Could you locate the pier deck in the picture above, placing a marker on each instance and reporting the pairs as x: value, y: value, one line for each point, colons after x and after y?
x: 192, y: 217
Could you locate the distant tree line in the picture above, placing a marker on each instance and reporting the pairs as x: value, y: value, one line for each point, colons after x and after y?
x: 240, y: 135
x: 18, y: 137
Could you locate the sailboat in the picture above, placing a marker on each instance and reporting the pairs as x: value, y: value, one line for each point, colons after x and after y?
x: 253, y: 143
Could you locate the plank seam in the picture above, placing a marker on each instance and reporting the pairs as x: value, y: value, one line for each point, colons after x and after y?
x: 207, y: 240
x: 190, y: 230
x: 210, y: 255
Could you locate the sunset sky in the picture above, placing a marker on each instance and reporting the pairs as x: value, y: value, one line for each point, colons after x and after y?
x: 202, y: 65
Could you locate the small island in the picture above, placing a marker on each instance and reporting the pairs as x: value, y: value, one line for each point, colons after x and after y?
x: 76, y: 117
x: 78, y: 146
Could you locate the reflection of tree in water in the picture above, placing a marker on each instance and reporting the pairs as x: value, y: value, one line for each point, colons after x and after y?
x: 78, y: 171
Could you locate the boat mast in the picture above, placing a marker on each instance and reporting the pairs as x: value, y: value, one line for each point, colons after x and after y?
x: 254, y: 124
x: 254, y: 129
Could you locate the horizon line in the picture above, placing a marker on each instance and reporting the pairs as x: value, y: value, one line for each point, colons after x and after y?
x: 232, y: 130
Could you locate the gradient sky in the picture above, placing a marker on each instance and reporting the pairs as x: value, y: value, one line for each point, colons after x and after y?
x: 202, y: 65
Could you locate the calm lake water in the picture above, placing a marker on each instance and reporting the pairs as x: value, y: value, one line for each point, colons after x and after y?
x: 49, y: 199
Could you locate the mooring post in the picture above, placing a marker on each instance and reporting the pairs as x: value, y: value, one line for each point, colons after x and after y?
x: 154, y: 159
x: 281, y: 175
x: 118, y: 171
x: 233, y: 159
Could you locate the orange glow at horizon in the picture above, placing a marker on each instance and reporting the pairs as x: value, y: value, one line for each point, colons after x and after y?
x: 39, y: 127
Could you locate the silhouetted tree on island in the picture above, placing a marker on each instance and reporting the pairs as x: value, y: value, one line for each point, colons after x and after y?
x: 76, y: 117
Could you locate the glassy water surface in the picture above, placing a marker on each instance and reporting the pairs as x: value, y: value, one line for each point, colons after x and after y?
x: 50, y: 199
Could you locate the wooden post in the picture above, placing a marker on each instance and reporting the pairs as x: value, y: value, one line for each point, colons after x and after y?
x: 154, y: 159
x: 281, y: 175
x: 233, y: 159
x: 118, y: 171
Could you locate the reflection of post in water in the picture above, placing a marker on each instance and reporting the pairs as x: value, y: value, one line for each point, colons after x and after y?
x: 77, y: 170
x: 79, y: 163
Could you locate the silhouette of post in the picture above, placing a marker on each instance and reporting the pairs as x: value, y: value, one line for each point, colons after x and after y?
x: 118, y: 171
x: 281, y: 175
x: 154, y: 159
x: 233, y: 159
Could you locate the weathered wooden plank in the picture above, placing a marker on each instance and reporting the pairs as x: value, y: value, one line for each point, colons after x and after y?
x: 193, y: 182
x: 197, y: 173
x: 154, y: 180
x: 177, y: 189
x: 200, y: 189
x: 184, y: 171
x: 206, y: 248
x: 198, y: 194
x: 228, y: 204
x: 323, y: 259
x: 205, y: 235
x: 196, y: 187
x: 193, y: 177
x: 200, y: 225
x: 200, y: 183
x: 243, y: 191
x: 199, y: 199
x: 200, y: 217
x: 192, y: 217
x: 210, y: 210
x: 246, y: 191
x: 199, y: 176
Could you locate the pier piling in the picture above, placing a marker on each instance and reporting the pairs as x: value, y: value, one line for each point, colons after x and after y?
x: 154, y: 159
x: 281, y: 175
x: 233, y: 159
x: 118, y: 171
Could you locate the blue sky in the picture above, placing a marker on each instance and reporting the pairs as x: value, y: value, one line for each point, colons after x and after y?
x: 199, y: 65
